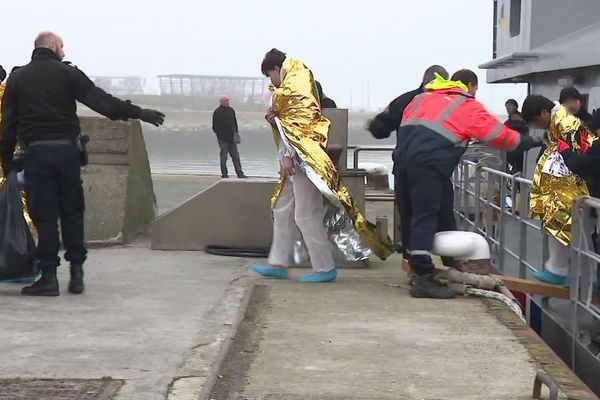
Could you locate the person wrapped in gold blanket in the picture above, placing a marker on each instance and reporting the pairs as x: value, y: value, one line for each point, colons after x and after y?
x: 555, y: 187
x: 307, y: 176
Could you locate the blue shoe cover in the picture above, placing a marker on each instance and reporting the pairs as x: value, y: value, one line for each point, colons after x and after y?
x: 550, y: 278
x: 270, y: 272
x: 320, y: 277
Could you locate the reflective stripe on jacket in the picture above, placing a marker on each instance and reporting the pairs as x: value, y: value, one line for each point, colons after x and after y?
x: 438, y: 124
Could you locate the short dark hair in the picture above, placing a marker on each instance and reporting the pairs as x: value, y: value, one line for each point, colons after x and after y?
x: 274, y: 58
x: 465, y: 76
x: 2, y: 74
x: 533, y: 106
x: 513, y: 102
x: 569, y: 93
x: 430, y: 72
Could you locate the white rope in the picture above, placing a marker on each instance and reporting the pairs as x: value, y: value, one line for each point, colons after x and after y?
x: 513, y: 305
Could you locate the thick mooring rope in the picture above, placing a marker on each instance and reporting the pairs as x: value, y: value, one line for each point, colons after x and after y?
x: 512, y: 304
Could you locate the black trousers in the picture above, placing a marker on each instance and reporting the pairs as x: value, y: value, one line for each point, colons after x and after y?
x: 425, y: 201
x: 232, y: 150
x: 54, y: 191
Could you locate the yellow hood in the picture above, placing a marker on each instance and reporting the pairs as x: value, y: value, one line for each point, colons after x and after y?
x: 441, y: 83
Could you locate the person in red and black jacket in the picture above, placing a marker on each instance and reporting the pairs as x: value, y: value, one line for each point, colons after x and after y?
x: 381, y: 127
x: 587, y: 166
x: 435, y: 131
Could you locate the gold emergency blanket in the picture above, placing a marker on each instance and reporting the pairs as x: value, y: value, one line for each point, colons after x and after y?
x: 553, y: 193
x: 3, y: 180
x: 302, y: 129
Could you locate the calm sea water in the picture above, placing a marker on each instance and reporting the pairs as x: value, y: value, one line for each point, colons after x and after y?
x: 198, y: 152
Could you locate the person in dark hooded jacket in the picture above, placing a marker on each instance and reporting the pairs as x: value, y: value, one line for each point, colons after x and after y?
x: 325, y: 101
x: 515, y: 159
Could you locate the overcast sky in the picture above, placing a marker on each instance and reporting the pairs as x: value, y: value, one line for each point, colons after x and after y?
x: 387, y: 43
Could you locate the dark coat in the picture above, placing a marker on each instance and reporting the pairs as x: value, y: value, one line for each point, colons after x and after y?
x: 438, y: 125
x: 326, y: 102
x: 584, y: 116
x: 515, y: 158
x: 386, y: 122
x: 40, y: 102
x: 224, y: 124
x: 586, y: 165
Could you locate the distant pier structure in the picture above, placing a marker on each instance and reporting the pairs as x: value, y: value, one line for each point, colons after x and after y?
x: 240, y: 89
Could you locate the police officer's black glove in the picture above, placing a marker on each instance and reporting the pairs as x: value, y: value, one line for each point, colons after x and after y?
x: 153, y: 117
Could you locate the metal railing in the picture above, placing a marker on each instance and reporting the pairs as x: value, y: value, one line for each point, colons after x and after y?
x: 356, y: 150
x: 492, y: 202
x: 583, y: 265
x: 495, y: 204
x: 382, y: 197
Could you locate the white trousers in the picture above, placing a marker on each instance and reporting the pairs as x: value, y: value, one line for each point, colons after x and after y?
x: 558, y: 260
x: 300, y: 206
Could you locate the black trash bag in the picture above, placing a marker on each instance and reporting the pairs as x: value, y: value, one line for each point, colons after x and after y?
x: 17, y: 247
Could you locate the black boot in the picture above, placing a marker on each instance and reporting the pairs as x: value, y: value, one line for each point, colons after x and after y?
x: 427, y: 287
x: 47, y: 285
x: 76, y: 283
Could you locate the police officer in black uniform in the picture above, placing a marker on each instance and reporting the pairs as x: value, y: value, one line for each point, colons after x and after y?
x: 39, y: 112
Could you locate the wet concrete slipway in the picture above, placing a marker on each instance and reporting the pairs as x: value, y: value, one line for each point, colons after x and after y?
x: 187, y: 325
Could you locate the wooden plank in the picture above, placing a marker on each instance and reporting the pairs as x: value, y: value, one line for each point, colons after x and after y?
x: 522, y: 285
x: 535, y: 287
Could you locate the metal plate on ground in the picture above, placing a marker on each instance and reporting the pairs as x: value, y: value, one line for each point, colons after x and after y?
x: 58, y: 389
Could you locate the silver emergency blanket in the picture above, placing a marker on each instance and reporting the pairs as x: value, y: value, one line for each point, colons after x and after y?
x: 348, y: 247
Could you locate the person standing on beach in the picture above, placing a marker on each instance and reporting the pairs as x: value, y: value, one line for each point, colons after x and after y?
x: 307, y: 176
x: 226, y: 128
x: 39, y: 111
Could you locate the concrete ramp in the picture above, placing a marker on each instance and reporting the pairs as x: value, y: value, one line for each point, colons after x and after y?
x: 229, y: 213
x: 232, y: 213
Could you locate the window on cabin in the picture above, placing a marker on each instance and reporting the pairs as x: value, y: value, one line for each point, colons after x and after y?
x: 515, y: 18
